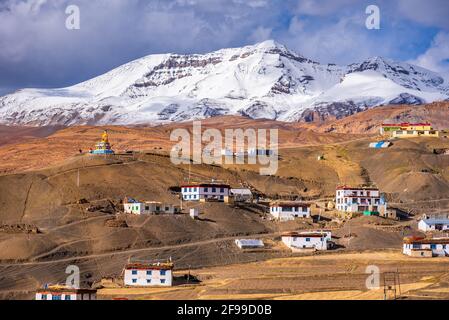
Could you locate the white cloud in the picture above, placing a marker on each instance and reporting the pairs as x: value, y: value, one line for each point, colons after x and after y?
x: 436, y: 58
x: 260, y: 34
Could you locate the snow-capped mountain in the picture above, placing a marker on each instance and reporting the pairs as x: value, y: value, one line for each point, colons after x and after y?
x: 265, y: 80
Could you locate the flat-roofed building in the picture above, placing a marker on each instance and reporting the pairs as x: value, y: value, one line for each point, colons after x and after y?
x: 145, y: 274
x: 289, y: 210
x: 421, y: 247
x: 360, y: 200
x: 133, y: 206
x: 62, y: 292
x: 205, y: 192
x: 307, y: 240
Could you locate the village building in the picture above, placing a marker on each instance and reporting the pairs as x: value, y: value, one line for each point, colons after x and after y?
x: 420, y: 247
x: 360, y: 200
x: 133, y: 206
x: 148, y: 274
x: 307, y: 241
x: 206, y: 192
x: 241, y: 194
x: 409, y: 130
x: 194, y: 213
x: 249, y: 243
x: 289, y: 210
x: 62, y: 292
x: 435, y: 223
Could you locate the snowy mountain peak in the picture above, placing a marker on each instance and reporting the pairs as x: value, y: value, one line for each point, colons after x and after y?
x: 265, y: 80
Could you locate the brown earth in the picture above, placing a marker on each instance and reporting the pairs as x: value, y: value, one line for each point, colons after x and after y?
x: 72, y: 198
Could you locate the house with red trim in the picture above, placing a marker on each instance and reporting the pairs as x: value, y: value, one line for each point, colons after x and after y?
x: 360, y: 200
x: 408, y: 130
x: 62, y: 292
x: 206, y: 192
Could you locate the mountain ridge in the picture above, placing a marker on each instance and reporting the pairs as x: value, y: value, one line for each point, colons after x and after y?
x: 265, y: 80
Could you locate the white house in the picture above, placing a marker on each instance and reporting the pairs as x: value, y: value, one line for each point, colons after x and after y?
x: 305, y: 241
x: 241, y: 194
x: 60, y: 292
x: 249, y: 243
x: 360, y: 200
x: 289, y: 210
x: 194, y: 213
x: 433, y: 224
x: 149, y: 274
x: 438, y: 247
x: 133, y: 206
x: 205, y: 192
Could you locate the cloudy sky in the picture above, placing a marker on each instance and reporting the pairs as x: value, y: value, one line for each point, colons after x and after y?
x: 37, y: 50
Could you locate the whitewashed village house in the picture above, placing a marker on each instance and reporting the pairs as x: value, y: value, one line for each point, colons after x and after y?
x: 194, y: 213
x: 148, y: 274
x: 360, y: 200
x: 133, y: 206
x: 205, y: 192
x: 249, y: 243
x: 289, y: 210
x: 62, y: 292
x: 307, y: 241
x: 434, y: 223
x: 426, y: 248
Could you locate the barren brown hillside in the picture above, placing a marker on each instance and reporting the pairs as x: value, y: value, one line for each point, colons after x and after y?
x: 369, y: 121
x: 58, y: 206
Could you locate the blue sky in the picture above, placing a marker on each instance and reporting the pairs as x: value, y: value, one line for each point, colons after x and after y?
x: 38, y: 51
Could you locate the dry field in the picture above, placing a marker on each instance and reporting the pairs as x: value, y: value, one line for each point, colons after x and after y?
x: 337, y: 276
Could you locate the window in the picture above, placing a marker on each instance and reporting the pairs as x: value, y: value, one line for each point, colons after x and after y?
x: 44, y: 297
x: 433, y: 246
x: 134, y: 280
x: 147, y: 208
x: 67, y: 297
x: 162, y: 281
x: 134, y: 272
x: 163, y: 272
x: 206, y: 189
x: 148, y: 272
x: 56, y: 298
x: 148, y: 280
x: 222, y: 190
x: 307, y: 239
x: 194, y: 190
x: 214, y: 189
x: 167, y: 208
